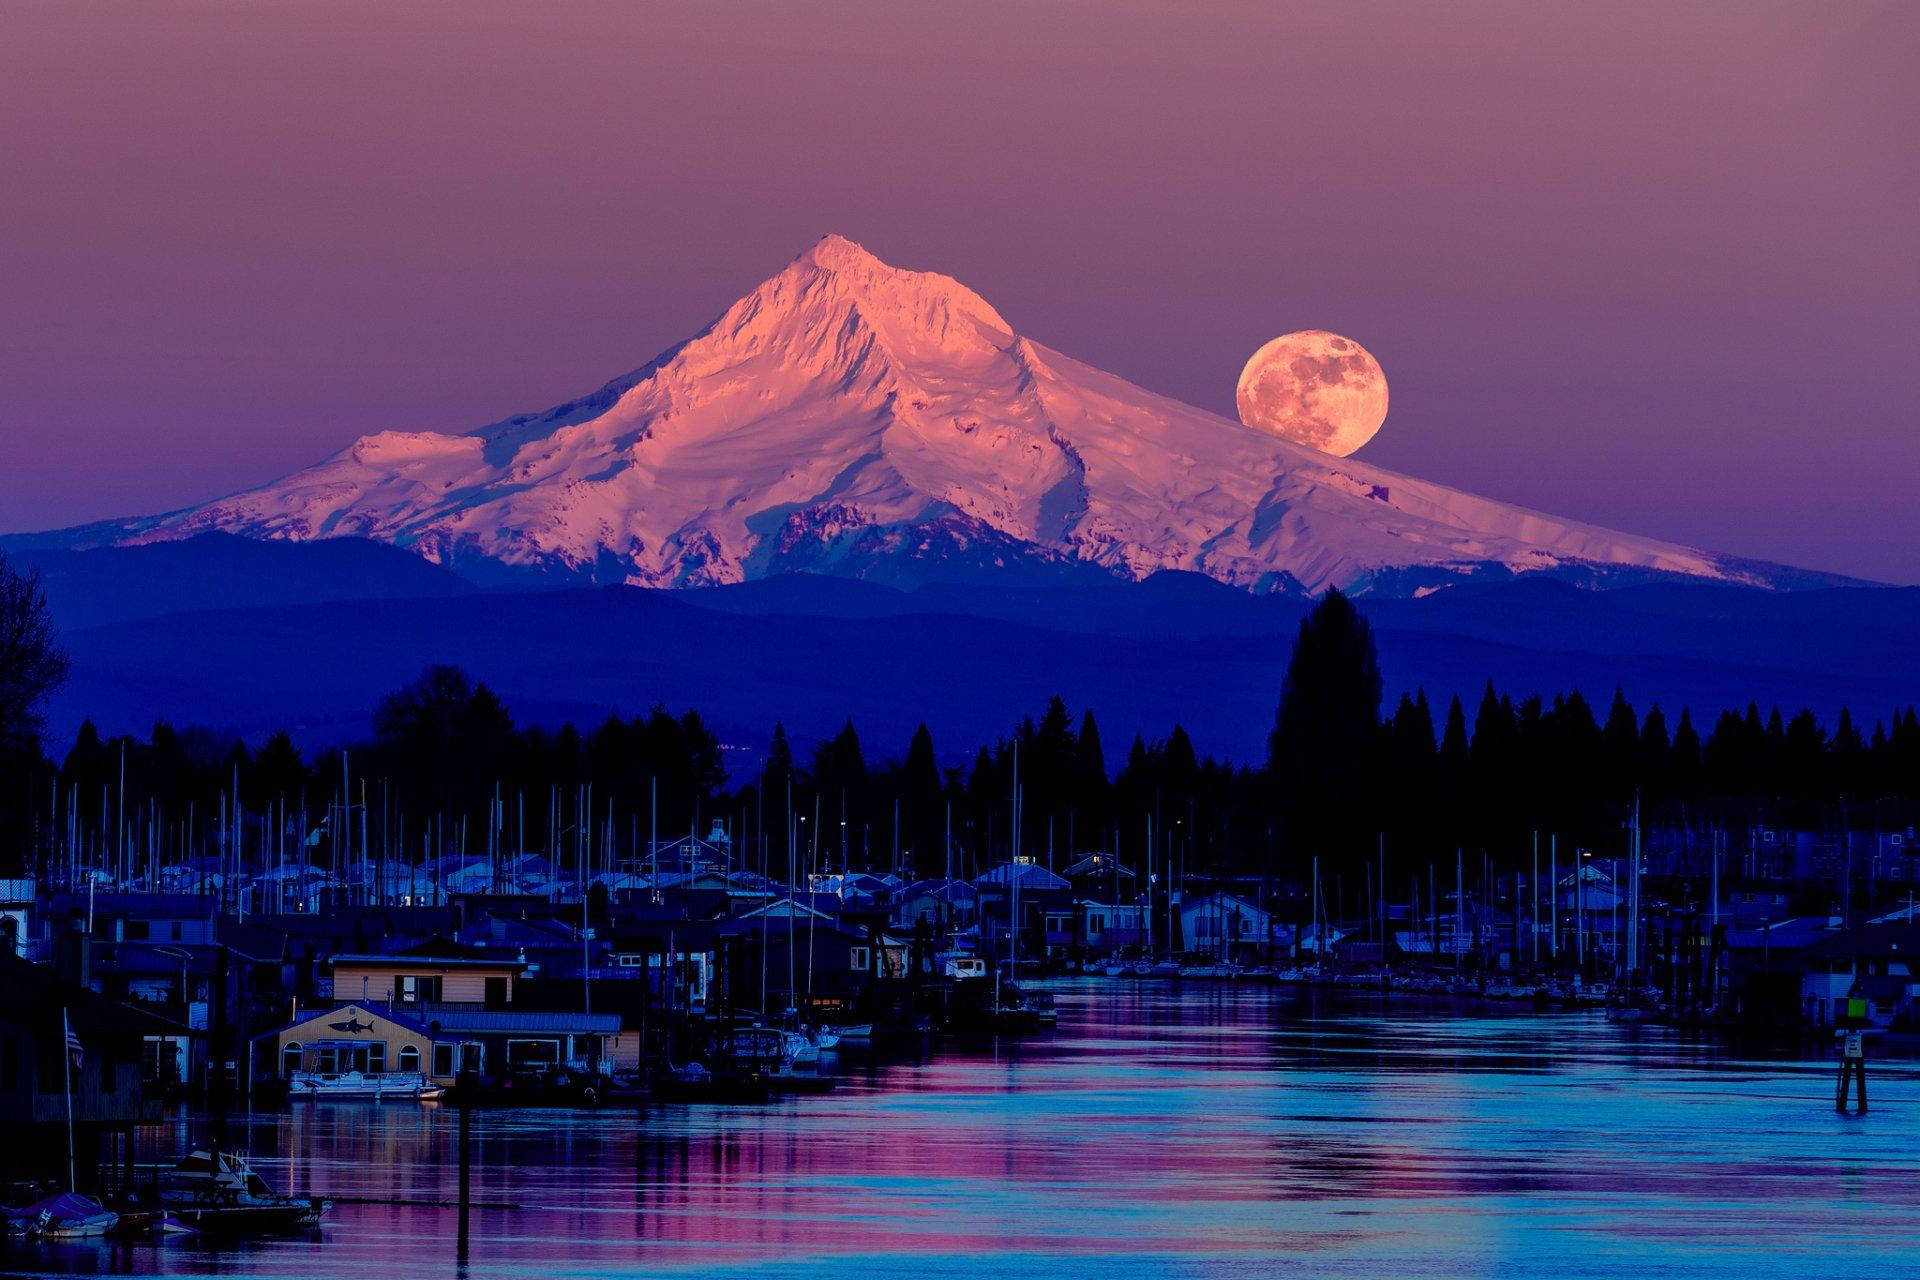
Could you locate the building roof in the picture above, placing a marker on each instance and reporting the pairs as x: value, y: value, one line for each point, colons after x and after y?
x: 1900, y: 938
x: 376, y: 1008
x: 34, y: 994
x: 948, y: 890
x: 1030, y: 876
x: 1217, y: 899
x: 454, y: 1021
x: 1100, y: 864
x: 1884, y: 988
x: 410, y: 961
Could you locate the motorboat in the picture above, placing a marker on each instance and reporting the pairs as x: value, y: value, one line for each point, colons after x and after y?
x: 802, y: 1049
x: 66, y: 1215
x: 218, y: 1193
x: 379, y: 1086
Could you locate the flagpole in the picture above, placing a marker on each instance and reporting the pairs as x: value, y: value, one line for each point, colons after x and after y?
x: 66, y: 1025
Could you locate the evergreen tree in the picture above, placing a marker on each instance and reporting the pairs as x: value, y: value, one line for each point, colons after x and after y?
x: 1684, y: 763
x: 1090, y: 782
x: 1321, y: 753
x: 32, y: 664
x: 1620, y: 746
x: 922, y: 799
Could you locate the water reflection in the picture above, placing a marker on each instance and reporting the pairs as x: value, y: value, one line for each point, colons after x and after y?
x: 1202, y: 1131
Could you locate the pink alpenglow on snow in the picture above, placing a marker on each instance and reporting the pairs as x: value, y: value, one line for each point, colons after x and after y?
x: 847, y: 414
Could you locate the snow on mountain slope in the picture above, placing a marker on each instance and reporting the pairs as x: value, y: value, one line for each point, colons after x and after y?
x: 849, y: 417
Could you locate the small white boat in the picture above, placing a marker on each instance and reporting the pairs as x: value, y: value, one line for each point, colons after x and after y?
x: 64, y: 1216
x: 857, y: 1033
x: 380, y: 1086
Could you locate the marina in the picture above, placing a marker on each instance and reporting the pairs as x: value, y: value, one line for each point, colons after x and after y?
x: 1180, y: 1128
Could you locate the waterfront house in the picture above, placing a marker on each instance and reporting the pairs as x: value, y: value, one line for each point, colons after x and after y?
x: 1100, y: 877
x: 1046, y: 924
x: 291, y: 886
x: 514, y: 1039
x: 431, y: 973
x: 1225, y: 927
x: 802, y: 956
x: 37, y: 1008
x: 371, y: 1038
x: 16, y: 918
x: 940, y: 903
x: 187, y: 918
x: 1879, y: 963
x: 1107, y: 927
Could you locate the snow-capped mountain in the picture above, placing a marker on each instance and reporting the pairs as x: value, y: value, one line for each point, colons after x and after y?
x: 850, y: 417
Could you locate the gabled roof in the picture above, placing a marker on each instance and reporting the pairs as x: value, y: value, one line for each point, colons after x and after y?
x: 349, y: 1011
x: 1030, y: 876
x: 527, y: 931
x: 1104, y: 864
x: 786, y: 909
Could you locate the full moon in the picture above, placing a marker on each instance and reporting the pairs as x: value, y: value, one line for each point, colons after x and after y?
x: 1314, y: 388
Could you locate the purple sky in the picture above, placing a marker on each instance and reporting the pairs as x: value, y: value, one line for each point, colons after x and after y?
x: 1653, y: 266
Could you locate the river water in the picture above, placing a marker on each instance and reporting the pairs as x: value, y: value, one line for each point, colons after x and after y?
x: 1160, y: 1131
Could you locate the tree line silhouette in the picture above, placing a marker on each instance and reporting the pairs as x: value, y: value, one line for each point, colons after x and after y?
x: 447, y: 768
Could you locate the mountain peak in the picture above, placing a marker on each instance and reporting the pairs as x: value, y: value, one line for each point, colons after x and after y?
x: 847, y: 416
x: 840, y: 269
x: 834, y: 252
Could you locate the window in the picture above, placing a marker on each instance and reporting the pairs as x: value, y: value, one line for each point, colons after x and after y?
x: 420, y: 988
x: 1097, y: 924
x: 858, y: 958
x: 290, y: 1059
x: 409, y: 1058
x: 138, y: 931
x: 377, y: 1056
x: 532, y: 1053
x: 443, y: 1060
x: 176, y: 931
x: 496, y: 992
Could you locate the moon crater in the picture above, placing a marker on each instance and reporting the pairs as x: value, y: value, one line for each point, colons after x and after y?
x: 1314, y: 388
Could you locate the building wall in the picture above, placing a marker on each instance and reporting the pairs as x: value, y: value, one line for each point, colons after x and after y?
x: 458, y: 985
x: 309, y: 1031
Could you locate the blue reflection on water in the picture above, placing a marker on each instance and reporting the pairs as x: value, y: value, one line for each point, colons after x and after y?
x: 1217, y: 1131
